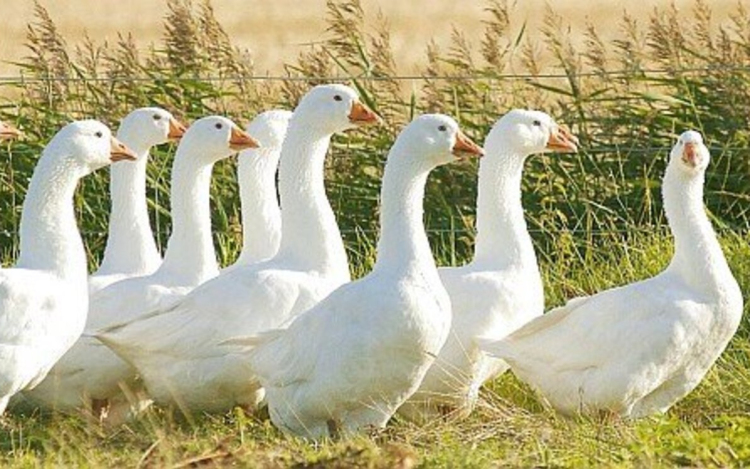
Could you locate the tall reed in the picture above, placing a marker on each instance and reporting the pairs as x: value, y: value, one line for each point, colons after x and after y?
x: 626, y: 99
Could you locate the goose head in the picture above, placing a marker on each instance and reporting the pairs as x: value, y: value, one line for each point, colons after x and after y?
x: 528, y: 132
x: 334, y: 108
x: 215, y: 138
x: 90, y: 145
x: 269, y: 128
x: 690, y: 153
x: 8, y: 132
x: 434, y: 140
x: 149, y: 126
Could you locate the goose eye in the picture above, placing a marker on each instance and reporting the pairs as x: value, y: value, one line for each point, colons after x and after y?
x: 442, y: 128
x: 537, y: 123
x: 99, y: 134
x: 337, y: 97
x: 157, y: 117
x: 219, y: 126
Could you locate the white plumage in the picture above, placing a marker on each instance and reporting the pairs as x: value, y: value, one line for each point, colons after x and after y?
x: 637, y: 349
x: 261, y: 216
x: 177, y: 350
x: 131, y: 250
x: 347, y: 364
x: 501, y: 288
x: 43, y: 300
x: 91, y: 375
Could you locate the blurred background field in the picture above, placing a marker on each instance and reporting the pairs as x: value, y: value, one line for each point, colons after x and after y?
x: 626, y: 82
x: 274, y: 31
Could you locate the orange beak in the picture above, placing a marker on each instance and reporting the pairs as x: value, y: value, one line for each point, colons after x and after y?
x: 119, y: 151
x: 562, y: 141
x: 176, y: 130
x: 8, y: 132
x: 241, y: 140
x: 690, y: 154
x: 464, y: 146
x: 363, y: 115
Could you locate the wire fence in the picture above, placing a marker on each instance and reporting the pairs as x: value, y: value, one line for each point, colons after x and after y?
x: 588, y: 151
x: 22, y: 79
x: 440, y: 231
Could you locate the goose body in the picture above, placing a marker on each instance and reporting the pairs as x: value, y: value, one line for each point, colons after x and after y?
x: 177, y: 350
x: 43, y: 299
x: 501, y: 288
x: 636, y: 350
x: 91, y: 375
x: 131, y: 250
x: 348, y: 363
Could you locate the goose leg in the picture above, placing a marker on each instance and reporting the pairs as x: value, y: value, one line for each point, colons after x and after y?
x: 334, y: 428
x: 100, y: 409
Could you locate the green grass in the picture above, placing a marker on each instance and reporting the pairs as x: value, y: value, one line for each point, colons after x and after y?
x: 510, y: 427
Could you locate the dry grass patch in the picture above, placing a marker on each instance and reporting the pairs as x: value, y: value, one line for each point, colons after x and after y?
x: 275, y: 30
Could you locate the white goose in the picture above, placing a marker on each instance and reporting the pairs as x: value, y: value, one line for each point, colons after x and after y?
x: 261, y: 217
x: 91, y: 375
x: 348, y: 363
x: 177, y: 351
x: 637, y: 349
x: 131, y: 250
x: 501, y: 288
x: 8, y: 132
x: 44, y: 299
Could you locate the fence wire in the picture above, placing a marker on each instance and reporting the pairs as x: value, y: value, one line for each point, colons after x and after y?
x: 21, y: 79
x: 661, y: 151
x: 636, y: 72
x: 347, y: 232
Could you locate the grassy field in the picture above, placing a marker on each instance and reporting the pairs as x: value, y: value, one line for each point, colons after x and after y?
x: 596, y: 216
x: 710, y: 428
x: 274, y: 31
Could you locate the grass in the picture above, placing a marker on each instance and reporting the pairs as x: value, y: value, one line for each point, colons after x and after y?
x: 510, y: 427
x: 596, y: 217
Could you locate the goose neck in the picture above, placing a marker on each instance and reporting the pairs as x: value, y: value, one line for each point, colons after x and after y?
x: 403, y: 245
x: 310, y: 237
x: 130, y: 243
x: 698, y: 257
x: 502, y: 238
x: 49, y: 234
x: 190, y: 251
x: 261, y: 217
